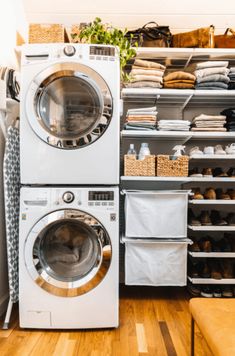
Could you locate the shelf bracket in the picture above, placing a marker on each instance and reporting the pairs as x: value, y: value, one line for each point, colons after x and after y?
x: 188, y: 61
x: 184, y: 105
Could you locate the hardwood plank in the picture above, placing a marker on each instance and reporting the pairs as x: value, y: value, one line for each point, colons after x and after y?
x: 167, y: 338
x: 141, y: 338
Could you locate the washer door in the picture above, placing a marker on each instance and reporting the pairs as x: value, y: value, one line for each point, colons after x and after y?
x: 69, y: 105
x: 68, y: 253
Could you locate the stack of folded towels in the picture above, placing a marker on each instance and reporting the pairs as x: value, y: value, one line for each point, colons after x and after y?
x: 230, y: 118
x: 146, y: 74
x: 174, y: 125
x: 212, y: 75
x: 141, y: 119
x: 209, y: 123
x: 179, y: 80
x: 231, y: 75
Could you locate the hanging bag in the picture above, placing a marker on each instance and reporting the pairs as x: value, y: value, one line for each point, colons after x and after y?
x: 151, y: 35
x: 200, y: 38
x: 227, y: 40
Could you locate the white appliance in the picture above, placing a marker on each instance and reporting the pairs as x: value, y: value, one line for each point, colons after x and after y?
x: 68, y: 257
x: 70, y: 114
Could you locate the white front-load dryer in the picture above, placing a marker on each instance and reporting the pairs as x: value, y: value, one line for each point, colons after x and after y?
x: 70, y: 114
x: 68, y: 257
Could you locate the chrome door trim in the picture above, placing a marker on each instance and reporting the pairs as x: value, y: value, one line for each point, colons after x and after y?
x: 61, y: 288
x: 68, y: 69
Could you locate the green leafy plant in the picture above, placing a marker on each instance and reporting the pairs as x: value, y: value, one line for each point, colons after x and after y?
x: 99, y: 33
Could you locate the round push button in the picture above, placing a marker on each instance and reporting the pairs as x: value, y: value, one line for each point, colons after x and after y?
x: 68, y: 197
x: 69, y: 51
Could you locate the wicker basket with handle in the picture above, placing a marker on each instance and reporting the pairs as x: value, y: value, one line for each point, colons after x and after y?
x: 134, y: 167
x: 47, y: 33
x: 166, y: 167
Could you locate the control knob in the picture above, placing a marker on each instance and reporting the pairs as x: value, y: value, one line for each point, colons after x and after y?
x: 69, y: 51
x: 68, y: 197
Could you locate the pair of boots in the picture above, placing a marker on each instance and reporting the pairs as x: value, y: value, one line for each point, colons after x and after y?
x: 213, y: 218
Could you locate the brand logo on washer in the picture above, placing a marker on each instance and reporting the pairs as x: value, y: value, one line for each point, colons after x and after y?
x: 112, y: 217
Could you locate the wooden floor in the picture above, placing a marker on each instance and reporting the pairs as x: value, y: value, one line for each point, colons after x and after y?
x: 153, y: 321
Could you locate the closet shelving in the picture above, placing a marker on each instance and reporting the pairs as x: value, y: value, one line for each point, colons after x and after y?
x: 182, y: 100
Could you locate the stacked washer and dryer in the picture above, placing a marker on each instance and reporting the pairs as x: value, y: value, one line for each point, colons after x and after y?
x: 69, y: 210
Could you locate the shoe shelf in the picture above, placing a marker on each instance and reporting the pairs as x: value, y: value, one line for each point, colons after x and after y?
x: 212, y: 254
x: 211, y: 228
x: 212, y: 202
x: 180, y: 135
x: 177, y: 179
x: 211, y: 280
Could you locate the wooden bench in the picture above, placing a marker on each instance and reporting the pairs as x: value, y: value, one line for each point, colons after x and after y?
x: 215, y: 319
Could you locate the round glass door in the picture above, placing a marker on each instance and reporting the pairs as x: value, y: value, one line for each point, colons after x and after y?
x: 69, y: 105
x: 70, y: 255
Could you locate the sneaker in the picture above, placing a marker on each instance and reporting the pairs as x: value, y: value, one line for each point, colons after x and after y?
x: 217, y: 292
x: 197, y: 194
x: 209, y: 150
x: 194, y: 289
x: 221, y: 195
x: 194, y: 247
x: 192, y: 220
x: 230, y: 149
x: 231, y: 172
x: 195, y: 173
x: 205, y: 218
x: 210, y: 194
x: 231, y: 193
x: 205, y: 244
x: 215, y: 269
x: 207, y: 292
x: 227, y: 292
x: 231, y: 219
x: 227, y: 268
x: 218, y: 172
x: 195, y: 152
x: 216, y: 219
x: 219, y: 150
x: 207, y: 172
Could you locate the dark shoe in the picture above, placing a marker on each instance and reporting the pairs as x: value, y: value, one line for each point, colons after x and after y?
x: 227, y: 268
x: 210, y: 194
x: 194, y: 289
x: 205, y: 271
x: 215, y: 270
x: 207, y: 172
x: 205, y: 244
x: 221, y: 195
x: 194, y: 247
x: 216, y: 219
x: 225, y: 245
x: 205, y: 218
x: 216, y: 246
x: 231, y: 219
x: 197, y: 194
x: 227, y: 292
x: 195, y: 173
x: 231, y: 193
x: 192, y: 219
x: 231, y: 239
x: 217, y: 292
x: 207, y: 292
x: 194, y: 270
x: 218, y: 172
x: 231, y: 172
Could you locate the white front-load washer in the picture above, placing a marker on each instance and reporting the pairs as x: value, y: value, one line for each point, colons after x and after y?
x: 68, y: 257
x: 70, y: 114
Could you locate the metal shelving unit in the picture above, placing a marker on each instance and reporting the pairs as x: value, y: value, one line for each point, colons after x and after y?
x: 212, y: 254
x: 212, y: 280
x: 211, y: 202
x: 211, y: 228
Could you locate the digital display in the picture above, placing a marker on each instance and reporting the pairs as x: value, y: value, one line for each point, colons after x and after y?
x: 98, y: 196
x: 102, y: 51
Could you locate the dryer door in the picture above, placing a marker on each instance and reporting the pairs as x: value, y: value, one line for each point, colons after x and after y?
x: 68, y: 253
x: 69, y: 105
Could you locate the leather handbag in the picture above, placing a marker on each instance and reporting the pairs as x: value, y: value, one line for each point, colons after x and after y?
x: 226, y: 40
x: 151, y: 35
x: 201, y: 38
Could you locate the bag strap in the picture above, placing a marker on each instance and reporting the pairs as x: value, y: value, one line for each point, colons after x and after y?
x: 149, y: 23
x: 229, y: 30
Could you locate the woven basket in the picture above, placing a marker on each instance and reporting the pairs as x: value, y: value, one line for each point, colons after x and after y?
x: 47, y: 33
x: 134, y: 167
x: 165, y: 167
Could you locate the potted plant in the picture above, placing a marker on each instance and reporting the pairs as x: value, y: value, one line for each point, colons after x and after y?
x: 98, y: 33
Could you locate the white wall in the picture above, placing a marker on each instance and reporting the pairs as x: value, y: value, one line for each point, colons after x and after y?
x: 181, y: 15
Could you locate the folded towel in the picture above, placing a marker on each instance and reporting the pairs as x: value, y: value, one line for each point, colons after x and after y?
x: 214, y: 129
x: 148, y: 69
x: 211, y: 64
x: 221, y: 85
x: 158, y: 73
x: 214, y: 78
x: 144, y: 84
x: 209, y: 117
x: 178, y: 85
x: 179, y: 75
x: 200, y: 73
x: 148, y: 64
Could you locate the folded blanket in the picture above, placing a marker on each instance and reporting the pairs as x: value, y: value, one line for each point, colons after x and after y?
x: 179, y: 75
x: 214, y: 129
x: 178, y: 86
x: 211, y: 64
x: 148, y: 64
x: 209, y: 117
x: 148, y: 69
x: 187, y: 81
x: 127, y: 126
x: 212, y: 84
x: 200, y: 73
x: 174, y: 122
x: 209, y: 88
x: 158, y: 73
x: 214, y: 78
x: 141, y: 118
x: 152, y: 78
x: 144, y: 84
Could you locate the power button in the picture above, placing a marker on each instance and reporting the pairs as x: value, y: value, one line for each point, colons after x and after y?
x: 68, y: 197
x: 69, y: 51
